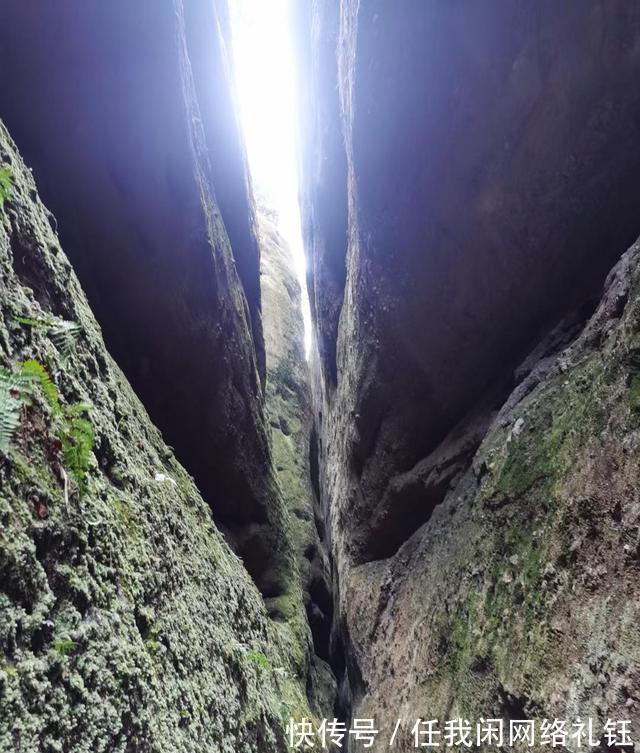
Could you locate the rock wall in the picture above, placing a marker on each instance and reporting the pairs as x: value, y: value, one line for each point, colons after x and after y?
x: 126, y: 116
x: 126, y: 622
x: 323, y: 196
x: 447, y: 522
x: 519, y: 598
x: 490, y: 153
x: 288, y: 402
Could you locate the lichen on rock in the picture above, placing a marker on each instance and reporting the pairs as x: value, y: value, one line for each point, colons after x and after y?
x: 534, y: 610
x: 126, y: 622
x: 288, y: 403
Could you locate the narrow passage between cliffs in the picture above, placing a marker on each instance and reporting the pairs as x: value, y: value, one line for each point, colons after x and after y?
x: 265, y: 87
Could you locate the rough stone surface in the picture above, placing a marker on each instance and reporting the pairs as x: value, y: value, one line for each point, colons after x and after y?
x: 463, y: 508
x: 323, y: 199
x: 519, y: 598
x: 288, y: 401
x: 126, y: 116
x: 491, y: 158
x: 126, y: 622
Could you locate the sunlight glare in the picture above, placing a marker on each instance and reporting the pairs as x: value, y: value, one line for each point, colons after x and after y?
x: 263, y: 58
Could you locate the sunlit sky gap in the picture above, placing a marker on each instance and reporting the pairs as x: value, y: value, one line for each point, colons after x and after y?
x: 265, y: 81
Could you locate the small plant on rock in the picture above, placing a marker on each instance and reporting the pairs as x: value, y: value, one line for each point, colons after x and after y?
x: 64, y: 334
x: 6, y: 184
x: 15, y: 392
x: 70, y: 424
x: 64, y: 647
x: 260, y: 660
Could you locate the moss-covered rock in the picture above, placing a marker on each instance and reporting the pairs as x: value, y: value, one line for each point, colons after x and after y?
x: 126, y: 622
x: 288, y: 399
x: 519, y: 598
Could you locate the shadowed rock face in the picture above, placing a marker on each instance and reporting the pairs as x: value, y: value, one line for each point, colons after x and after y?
x: 127, y: 623
x: 125, y: 113
x: 492, y: 158
x: 519, y: 597
x: 323, y: 195
x: 491, y: 154
x: 288, y: 403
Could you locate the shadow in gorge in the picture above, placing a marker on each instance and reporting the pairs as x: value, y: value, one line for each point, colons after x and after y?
x: 130, y: 129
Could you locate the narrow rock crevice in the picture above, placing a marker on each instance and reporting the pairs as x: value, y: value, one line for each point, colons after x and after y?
x: 163, y: 238
x: 489, y: 192
x: 294, y: 446
x: 439, y: 510
x: 324, y: 196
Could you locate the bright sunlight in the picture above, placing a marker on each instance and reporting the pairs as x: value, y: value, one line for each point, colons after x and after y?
x: 265, y: 79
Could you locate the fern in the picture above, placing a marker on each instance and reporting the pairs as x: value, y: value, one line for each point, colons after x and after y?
x: 37, y: 373
x: 15, y: 391
x: 64, y: 336
x: 76, y: 408
x: 75, y: 432
x: 6, y: 184
x: 70, y: 424
x: 77, y: 445
x: 9, y: 413
x: 32, y: 322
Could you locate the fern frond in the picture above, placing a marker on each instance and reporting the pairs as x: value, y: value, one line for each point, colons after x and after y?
x: 77, y: 446
x: 37, y: 323
x: 72, y: 428
x: 64, y: 336
x: 6, y: 184
x: 36, y: 372
x: 15, y: 391
x: 9, y: 414
x: 77, y: 408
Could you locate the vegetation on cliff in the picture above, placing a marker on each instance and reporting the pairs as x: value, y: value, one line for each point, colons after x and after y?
x: 126, y: 622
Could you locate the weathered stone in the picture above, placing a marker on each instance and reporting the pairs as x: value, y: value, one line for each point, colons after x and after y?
x: 288, y: 400
x: 126, y: 116
x: 518, y: 593
x: 126, y: 622
x: 460, y: 521
x: 490, y: 154
x: 323, y: 199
